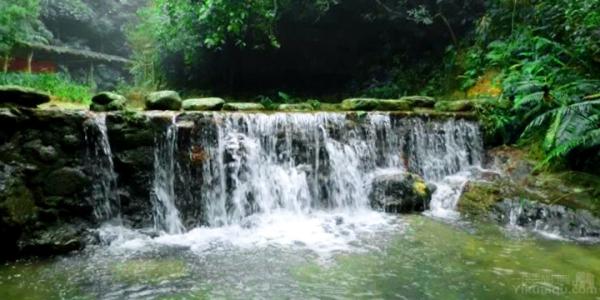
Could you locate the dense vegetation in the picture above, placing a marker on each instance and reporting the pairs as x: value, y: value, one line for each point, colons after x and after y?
x: 536, y: 62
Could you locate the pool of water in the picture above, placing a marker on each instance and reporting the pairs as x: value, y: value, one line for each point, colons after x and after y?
x: 381, y: 257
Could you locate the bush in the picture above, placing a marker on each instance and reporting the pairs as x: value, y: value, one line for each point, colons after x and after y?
x: 59, y: 86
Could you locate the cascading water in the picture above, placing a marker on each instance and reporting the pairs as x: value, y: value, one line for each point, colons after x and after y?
x: 100, y: 164
x: 166, y: 215
x: 300, y: 162
x: 298, y: 177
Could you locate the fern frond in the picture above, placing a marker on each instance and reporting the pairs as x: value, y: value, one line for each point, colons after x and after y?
x: 591, y: 139
x: 538, y: 122
x: 553, y: 130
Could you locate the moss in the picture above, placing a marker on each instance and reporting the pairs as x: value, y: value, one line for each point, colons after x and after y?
x: 331, y: 107
x: 243, y: 106
x: 296, y: 107
x: 19, y: 204
x: 202, y: 104
x: 454, y: 106
x: 478, y: 198
x: 576, y: 190
x: 149, y: 271
x: 420, y: 188
x: 370, y: 104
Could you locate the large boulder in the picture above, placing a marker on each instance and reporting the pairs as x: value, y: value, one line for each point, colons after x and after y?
x: 243, y: 107
x: 400, y: 193
x: 107, y: 101
x: 202, y: 104
x: 65, y: 181
x: 368, y: 104
x: 22, y: 96
x: 163, y: 100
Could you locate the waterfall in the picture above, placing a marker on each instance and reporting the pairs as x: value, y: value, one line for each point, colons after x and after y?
x: 300, y: 163
x: 166, y: 215
x: 100, y: 165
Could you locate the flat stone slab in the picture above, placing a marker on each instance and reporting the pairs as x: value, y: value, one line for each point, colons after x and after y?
x: 22, y: 96
x: 370, y: 104
x: 243, y: 106
x: 201, y: 104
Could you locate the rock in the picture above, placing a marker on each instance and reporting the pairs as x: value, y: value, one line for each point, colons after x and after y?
x: 554, y: 219
x: 368, y: 104
x: 164, y: 100
x: 419, y: 101
x: 113, y: 106
x: 55, y: 240
x: 454, y: 106
x: 105, y: 98
x: 400, y: 193
x: 478, y: 197
x: 16, y: 200
x: 202, y: 104
x: 107, y: 101
x: 296, y: 107
x: 65, y: 181
x: 21, y: 96
x: 243, y: 107
x: 40, y: 151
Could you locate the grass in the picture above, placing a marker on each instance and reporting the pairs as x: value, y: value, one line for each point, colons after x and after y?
x: 60, y: 87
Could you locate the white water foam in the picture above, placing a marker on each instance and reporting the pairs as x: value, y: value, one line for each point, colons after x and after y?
x: 303, y: 180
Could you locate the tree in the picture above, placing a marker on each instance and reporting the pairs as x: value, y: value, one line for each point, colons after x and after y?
x: 19, y: 22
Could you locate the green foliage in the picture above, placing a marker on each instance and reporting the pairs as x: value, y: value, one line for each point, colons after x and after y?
x: 268, y: 103
x: 19, y: 23
x: 59, y: 86
x: 547, y: 53
x: 143, y: 38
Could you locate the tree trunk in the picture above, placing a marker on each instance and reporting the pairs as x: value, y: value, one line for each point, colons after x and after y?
x: 6, y: 63
x: 29, y: 61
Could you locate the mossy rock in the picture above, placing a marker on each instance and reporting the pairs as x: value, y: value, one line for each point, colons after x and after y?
x: 369, y: 104
x: 57, y: 239
x: 243, y: 106
x: 455, y: 106
x: 420, y: 101
x: 22, y: 96
x: 296, y: 107
x: 478, y: 198
x: 163, y: 100
x: 105, y: 98
x: 65, y: 181
x: 331, y: 106
x: 113, y: 106
x: 17, y: 203
x: 203, y: 104
x: 400, y: 193
x: 107, y: 101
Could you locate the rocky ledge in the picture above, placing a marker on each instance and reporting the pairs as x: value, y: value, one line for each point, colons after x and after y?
x: 565, y: 204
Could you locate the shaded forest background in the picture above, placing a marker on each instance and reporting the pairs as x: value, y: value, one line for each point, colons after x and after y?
x: 535, y: 64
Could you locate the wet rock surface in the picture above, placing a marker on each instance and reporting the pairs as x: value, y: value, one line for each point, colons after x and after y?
x: 22, y: 96
x: 565, y: 204
x: 400, y: 193
x: 550, y: 219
